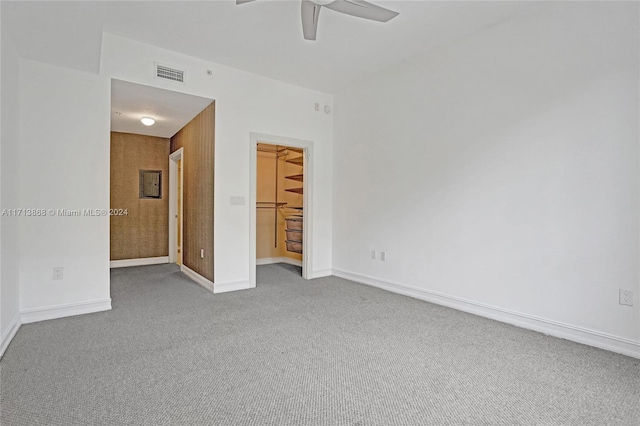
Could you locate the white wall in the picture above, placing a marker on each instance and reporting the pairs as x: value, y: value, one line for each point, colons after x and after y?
x: 502, y: 172
x: 9, y: 192
x: 64, y: 153
x: 65, y: 164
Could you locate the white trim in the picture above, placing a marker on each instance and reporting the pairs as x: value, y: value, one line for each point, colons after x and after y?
x: 553, y: 328
x: 67, y: 310
x: 322, y: 273
x: 307, y: 191
x: 199, y: 279
x: 173, y: 199
x: 10, y: 333
x: 271, y: 260
x: 124, y: 263
x: 231, y: 286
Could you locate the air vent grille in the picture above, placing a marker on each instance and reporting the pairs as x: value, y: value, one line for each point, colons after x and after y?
x: 169, y: 73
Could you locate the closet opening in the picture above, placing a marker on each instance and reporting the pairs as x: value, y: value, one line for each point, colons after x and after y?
x: 281, y: 186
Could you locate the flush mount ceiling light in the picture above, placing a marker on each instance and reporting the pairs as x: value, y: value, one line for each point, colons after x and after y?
x: 147, y: 121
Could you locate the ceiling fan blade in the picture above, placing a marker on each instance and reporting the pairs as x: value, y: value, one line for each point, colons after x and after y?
x: 362, y: 9
x: 243, y: 1
x: 310, y: 13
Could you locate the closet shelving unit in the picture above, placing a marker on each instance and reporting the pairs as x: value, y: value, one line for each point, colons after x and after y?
x: 294, y: 220
x: 298, y: 161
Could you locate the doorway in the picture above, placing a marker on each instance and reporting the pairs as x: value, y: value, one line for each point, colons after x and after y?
x: 162, y: 172
x: 281, y: 210
x: 176, y: 212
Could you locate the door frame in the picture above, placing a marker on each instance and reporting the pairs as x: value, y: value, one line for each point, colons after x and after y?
x: 307, y: 193
x: 173, y: 209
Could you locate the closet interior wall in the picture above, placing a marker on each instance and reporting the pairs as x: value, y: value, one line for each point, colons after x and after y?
x: 274, y: 201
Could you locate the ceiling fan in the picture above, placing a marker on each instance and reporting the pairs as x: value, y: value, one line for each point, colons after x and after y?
x: 358, y: 8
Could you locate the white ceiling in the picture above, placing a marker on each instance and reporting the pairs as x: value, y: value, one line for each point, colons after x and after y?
x: 171, y: 110
x: 263, y: 37
x: 67, y: 34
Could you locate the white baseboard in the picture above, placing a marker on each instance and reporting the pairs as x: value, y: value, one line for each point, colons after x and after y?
x: 199, y: 279
x: 322, y: 273
x: 224, y: 287
x: 553, y: 328
x: 67, y: 310
x: 10, y: 332
x: 271, y: 260
x: 124, y: 263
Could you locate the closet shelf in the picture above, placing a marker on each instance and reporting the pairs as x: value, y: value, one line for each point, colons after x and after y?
x: 296, y: 190
x: 297, y: 160
x: 269, y: 204
x: 279, y: 152
x: 299, y: 177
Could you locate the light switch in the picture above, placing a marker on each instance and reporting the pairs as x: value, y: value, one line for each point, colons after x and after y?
x: 237, y: 201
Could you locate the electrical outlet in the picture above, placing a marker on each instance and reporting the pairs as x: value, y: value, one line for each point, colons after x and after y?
x: 383, y: 256
x: 626, y: 297
x: 58, y: 272
x: 201, y: 253
x: 373, y: 254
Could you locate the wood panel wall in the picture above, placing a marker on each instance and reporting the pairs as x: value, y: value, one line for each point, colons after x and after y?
x: 144, y: 231
x: 198, y: 140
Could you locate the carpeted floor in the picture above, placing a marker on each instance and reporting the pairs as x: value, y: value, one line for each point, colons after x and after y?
x: 295, y: 352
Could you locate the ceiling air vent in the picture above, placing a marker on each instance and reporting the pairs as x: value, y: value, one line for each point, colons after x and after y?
x: 168, y: 73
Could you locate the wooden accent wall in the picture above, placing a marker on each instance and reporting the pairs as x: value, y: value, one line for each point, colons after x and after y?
x: 144, y: 232
x: 198, y: 140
